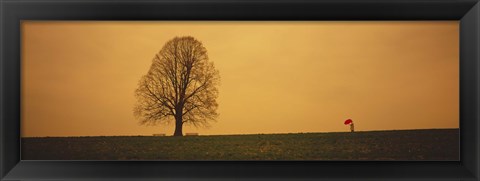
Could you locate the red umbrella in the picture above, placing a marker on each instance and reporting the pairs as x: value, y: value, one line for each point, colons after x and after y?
x: 348, y: 121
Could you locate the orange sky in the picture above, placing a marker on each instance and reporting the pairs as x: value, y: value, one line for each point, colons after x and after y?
x: 79, y: 77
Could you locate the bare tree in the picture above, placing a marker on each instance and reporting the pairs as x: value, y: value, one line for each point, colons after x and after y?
x: 181, y: 86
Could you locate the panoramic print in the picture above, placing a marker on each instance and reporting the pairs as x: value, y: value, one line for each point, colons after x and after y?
x: 240, y: 90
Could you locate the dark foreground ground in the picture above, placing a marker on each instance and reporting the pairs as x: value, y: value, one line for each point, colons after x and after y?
x: 438, y: 144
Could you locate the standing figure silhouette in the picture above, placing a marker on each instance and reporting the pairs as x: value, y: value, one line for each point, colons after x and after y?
x: 352, y: 127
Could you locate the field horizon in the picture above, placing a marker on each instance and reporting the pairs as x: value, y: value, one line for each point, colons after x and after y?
x: 422, y: 144
x: 240, y: 134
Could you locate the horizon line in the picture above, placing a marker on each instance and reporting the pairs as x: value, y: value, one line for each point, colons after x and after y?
x: 171, y: 135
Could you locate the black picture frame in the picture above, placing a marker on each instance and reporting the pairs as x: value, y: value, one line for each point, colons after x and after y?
x: 12, y: 12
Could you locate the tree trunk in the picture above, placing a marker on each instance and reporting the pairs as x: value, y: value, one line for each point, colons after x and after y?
x: 178, y: 126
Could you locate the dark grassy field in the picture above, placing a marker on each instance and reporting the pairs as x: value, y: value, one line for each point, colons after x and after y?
x: 435, y: 144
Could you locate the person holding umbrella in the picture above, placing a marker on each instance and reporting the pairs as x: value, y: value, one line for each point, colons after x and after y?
x: 350, y: 122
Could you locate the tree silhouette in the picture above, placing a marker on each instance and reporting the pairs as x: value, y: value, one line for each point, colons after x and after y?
x: 180, y: 86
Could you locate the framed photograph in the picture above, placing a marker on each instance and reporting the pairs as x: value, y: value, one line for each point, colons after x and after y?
x: 247, y: 90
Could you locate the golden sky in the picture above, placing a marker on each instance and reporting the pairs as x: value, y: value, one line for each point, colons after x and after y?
x: 79, y: 77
